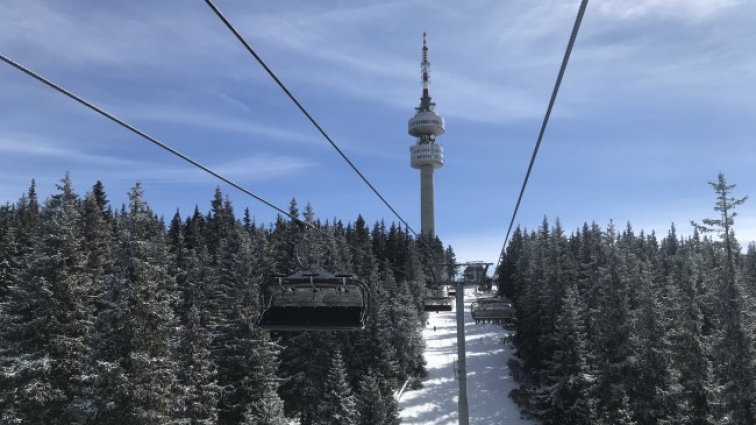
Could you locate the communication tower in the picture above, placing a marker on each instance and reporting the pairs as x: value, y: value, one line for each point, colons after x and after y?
x: 426, y: 154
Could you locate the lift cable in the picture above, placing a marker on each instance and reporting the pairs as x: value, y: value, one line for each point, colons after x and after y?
x: 133, y: 129
x: 312, y: 120
x: 262, y: 63
x: 184, y: 157
x: 565, y: 60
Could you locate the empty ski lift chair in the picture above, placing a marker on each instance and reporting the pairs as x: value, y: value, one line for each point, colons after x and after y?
x: 314, y: 301
x: 476, y: 272
x: 437, y: 298
x: 485, y: 286
x: 494, y: 310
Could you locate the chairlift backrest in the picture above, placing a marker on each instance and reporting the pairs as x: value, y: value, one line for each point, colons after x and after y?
x: 314, y: 301
x: 437, y: 298
x: 437, y: 292
x: 492, y: 310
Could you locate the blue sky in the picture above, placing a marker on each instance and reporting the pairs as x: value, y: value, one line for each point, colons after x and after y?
x: 658, y: 98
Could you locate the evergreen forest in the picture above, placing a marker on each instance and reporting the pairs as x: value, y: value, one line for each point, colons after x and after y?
x: 117, y: 316
x: 617, y: 327
x: 113, y: 315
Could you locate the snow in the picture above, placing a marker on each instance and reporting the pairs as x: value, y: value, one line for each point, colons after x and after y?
x: 488, y: 378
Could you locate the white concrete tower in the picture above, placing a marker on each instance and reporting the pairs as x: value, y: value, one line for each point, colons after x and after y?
x: 426, y: 154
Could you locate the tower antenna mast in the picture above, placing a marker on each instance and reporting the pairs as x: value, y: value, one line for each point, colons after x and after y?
x: 426, y: 155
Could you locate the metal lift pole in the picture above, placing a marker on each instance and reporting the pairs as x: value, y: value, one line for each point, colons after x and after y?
x: 463, y: 409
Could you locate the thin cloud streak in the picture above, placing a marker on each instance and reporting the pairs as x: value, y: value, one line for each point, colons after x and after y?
x: 691, y: 11
x: 263, y: 166
x: 226, y: 122
x: 24, y: 146
x: 335, y: 40
x: 260, y: 167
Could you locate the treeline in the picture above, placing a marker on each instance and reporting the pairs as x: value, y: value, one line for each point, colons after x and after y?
x: 621, y: 328
x: 117, y: 317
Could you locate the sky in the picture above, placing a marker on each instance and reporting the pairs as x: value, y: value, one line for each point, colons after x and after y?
x: 657, y: 100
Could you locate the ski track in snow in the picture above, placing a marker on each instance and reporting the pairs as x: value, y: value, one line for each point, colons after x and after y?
x: 488, y: 378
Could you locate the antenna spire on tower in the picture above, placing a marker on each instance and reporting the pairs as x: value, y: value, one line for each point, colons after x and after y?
x: 425, y: 101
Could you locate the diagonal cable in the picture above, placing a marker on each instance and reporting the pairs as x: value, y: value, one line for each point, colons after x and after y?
x: 133, y: 129
x: 312, y: 120
x: 184, y: 157
x: 565, y: 61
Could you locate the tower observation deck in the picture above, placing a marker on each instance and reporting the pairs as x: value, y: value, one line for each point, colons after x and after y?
x: 426, y: 155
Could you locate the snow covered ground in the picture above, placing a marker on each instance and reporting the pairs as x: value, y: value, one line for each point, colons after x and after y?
x: 488, y: 379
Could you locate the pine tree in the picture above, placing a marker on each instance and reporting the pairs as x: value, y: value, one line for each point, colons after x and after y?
x: 512, y: 268
x: 98, y: 236
x: 375, y: 406
x: 247, y: 370
x: 613, y: 332
x: 651, y: 393
x: 9, y: 251
x: 733, y: 351
x: 620, y: 415
x: 690, y: 356
x: 27, y: 213
x: 749, y: 272
x: 267, y: 411
x: 337, y: 405
x: 286, y: 236
x: 48, y: 320
x: 558, y: 273
x: 571, y: 401
x: 379, y: 240
x: 362, y: 251
x: 530, y: 307
x: 98, y: 245
x: 141, y: 372
x: 244, y: 355
x: 405, y: 327
x: 374, y: 347
x: 197, y: 378
x: 304, y: 367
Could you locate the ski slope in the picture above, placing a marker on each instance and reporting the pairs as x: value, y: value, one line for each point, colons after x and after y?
x: 488, y: 379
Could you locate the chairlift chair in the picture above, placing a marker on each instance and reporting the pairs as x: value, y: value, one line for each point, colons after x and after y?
x: 494, y: 310
x: 314, y: 301
x: 476, y: 272
x: 437, y: 299
x: 493, y: 301
x: 485, y: 286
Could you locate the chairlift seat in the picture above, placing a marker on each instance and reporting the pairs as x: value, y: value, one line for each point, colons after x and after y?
x: 437, y: 298
x: 492, y: 310
x: 493, y: 301
x: 437, y: 304
x: 321, y: 301
x: 437, y: 293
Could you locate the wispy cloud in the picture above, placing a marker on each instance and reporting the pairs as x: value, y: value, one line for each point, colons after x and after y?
x: 693, y: 11
x: 118, y: 34
x: 27, y: 146
x: 231, y: 122
x: 260, y: 167
x: 524, y: 44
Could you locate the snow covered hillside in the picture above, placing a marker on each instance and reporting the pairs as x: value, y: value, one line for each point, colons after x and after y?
x: 488, y: 378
